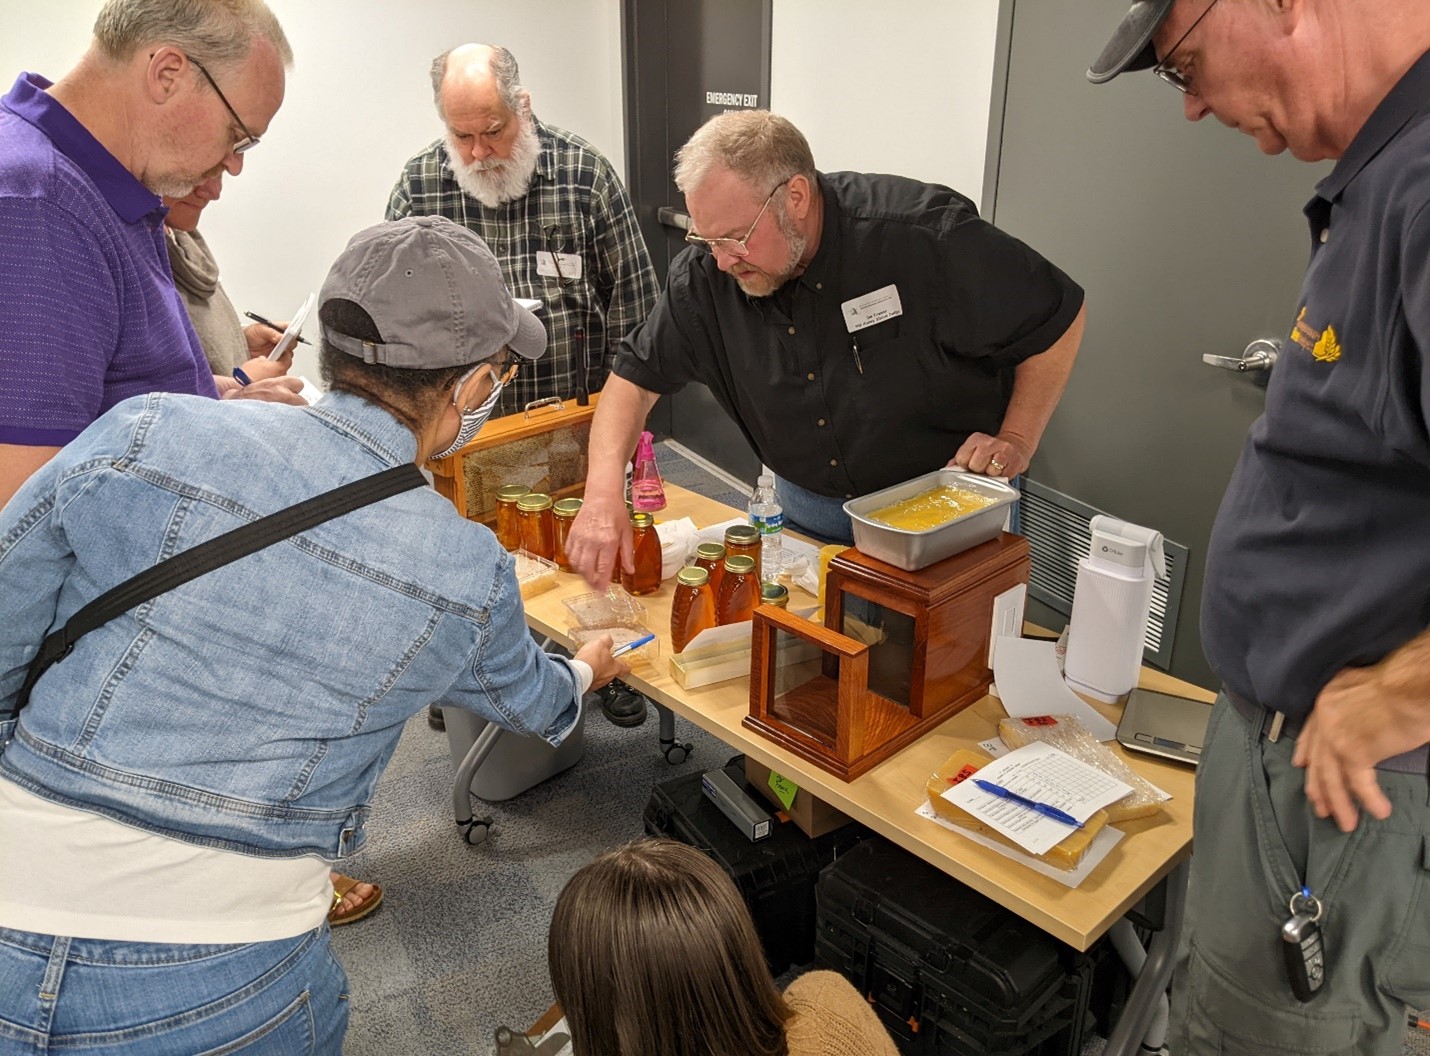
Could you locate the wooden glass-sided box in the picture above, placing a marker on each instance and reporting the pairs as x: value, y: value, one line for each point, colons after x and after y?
x: 899, y: 654
x: 544, y: 448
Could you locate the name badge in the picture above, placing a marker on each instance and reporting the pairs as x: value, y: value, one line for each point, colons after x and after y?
x: 566, y: 266
x: 872, y: 308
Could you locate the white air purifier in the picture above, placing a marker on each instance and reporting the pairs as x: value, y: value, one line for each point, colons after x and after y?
x: 1110, y: 608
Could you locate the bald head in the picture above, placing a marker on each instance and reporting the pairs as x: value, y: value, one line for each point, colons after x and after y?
x: 481, y: 76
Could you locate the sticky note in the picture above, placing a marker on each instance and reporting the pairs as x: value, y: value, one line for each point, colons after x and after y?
x: 783, y: 788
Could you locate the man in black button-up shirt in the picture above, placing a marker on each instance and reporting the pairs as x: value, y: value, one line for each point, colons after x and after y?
x: 1317, y: 593
x: 860, y: 330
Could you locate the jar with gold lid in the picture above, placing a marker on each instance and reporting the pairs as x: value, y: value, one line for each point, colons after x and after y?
x: 508, y: 526
x: 564, y: 512
x: 739, y: 590
x: 645, y: 546
x: 538, y: 533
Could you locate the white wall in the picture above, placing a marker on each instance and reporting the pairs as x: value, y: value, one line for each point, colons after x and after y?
x: 358, y: 104
x: 899, y: 86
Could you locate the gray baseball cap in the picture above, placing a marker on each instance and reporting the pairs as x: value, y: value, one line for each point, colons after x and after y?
x: 1131, y: 45
x: 435, y: 293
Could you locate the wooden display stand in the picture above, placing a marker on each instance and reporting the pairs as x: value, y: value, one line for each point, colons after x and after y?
x: 545, y: 447
x: 900, y: 653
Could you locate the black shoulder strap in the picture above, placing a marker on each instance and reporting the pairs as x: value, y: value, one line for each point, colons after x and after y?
x: 207, y: 556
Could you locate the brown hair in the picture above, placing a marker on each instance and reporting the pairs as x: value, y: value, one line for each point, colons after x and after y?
x: 653, y: 953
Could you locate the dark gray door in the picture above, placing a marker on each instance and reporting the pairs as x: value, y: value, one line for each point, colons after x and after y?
x: 686, y: 61
x: 1188, y: 241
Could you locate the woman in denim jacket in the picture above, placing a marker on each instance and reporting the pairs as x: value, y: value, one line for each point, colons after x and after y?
x: 210, y: 787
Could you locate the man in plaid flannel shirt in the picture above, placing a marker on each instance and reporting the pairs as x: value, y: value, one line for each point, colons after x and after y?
x: 549, y: 205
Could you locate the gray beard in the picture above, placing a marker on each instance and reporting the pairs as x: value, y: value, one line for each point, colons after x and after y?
x: 499, y: 180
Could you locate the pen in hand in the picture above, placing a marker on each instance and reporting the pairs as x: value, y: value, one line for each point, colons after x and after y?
x: 269, y: 322
x: 621, y: 650
x: 1032, y: 804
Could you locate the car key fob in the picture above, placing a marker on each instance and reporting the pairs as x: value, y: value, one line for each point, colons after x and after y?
x: 1305, y: 958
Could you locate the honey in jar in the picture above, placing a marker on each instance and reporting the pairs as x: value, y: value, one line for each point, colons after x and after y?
x: 931, y: 508
x: 693, y: 608
x: 645, y: 545
x: 711, y: 557
x: 538, y: 534
x: 508, y: 526
x: 776, y: 594
x: 743, y: 540
x: 563, y: 513
x: 739, y: 590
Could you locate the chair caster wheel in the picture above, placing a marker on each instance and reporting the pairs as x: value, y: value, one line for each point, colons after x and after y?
x: 476, y: 830
x: 676, y: 753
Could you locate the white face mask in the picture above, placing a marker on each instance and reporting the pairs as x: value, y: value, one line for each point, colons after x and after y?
x: 472, y: 421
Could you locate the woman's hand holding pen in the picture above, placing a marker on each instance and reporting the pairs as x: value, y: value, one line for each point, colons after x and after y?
x: 604, y: 666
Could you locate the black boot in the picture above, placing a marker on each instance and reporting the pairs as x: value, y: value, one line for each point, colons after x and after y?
x: 622, y: 705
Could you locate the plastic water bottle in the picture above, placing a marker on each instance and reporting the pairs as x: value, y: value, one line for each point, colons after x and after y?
x: 769, y: 518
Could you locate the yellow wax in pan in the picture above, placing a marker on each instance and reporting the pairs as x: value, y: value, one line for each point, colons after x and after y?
x: 931, y: 508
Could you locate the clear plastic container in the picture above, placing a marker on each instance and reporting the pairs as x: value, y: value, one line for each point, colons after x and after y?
x: 534, y: 574
x: 614, y: 608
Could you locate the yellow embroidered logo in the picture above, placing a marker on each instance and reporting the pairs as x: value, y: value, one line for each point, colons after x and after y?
x: 1324, y: 346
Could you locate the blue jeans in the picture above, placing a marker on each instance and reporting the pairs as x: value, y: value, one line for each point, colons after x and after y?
x: 89, y: 997
x: 813, y: 514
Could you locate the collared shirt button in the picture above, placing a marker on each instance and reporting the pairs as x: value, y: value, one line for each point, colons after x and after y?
x: 1325, y: 235
x: 847, y: 495
x: 821, y: 423
x: 834, y: 461
x: 819, y: 285
x: 809, y: 376
x: 791, y: 330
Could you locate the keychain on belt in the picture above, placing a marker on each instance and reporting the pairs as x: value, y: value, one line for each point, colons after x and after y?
x: 1301, y: 944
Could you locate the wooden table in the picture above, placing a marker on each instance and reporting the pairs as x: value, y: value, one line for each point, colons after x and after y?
x: 885, y: 798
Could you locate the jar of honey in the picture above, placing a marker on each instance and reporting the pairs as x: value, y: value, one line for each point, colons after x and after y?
x: 538, y: 534
x: 711, y: 557
x: 776, y: 594
x: 508, y: 527
x: 693, y: 608
x: 645, y: 545
x: 563, y: 513
x: 743, y: 540
x: 739, y: 590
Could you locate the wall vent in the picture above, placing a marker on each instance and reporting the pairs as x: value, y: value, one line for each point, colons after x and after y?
x: 1057, y: 527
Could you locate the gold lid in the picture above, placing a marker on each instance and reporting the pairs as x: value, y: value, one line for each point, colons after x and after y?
x: 566, y: 507
x: 692, y: 576
x: 742, y: 534
x: 774, y: 594
x: 642, y: 520
x: 740, y: 564
x: 534, y: 502
x: 711, y: 551
x: 511, y: 492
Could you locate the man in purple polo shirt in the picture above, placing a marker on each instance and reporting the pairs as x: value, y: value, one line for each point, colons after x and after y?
x: 167, y: 95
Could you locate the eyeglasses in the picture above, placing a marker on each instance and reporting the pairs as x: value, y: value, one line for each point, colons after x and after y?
x: 1169, y: 73
x: 552, y: 247
x: 248, y: 140
x: 736, y: 247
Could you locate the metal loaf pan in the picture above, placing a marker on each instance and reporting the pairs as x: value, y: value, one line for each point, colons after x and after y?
x: 914, y: 550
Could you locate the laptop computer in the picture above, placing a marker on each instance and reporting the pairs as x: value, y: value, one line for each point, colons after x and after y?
x: 1163, y: 724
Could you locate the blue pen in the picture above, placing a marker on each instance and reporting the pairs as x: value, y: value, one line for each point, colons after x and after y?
x: 621, y: 650
x: 240, y: 377
x: 1032, y: 804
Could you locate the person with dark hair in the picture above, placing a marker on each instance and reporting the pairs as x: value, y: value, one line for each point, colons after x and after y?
x: 1308, y: 900
x: 859, y: 329
x: 652, y: 952
x: 169, y: 94
x: 211, y: 785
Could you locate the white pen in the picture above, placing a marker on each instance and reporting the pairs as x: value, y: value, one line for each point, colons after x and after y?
x: 621, y: 650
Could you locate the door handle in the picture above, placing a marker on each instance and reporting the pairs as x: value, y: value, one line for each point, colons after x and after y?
x: 1259, y: 355
x: 673, y: 217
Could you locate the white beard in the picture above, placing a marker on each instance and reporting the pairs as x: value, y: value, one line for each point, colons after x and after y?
x: 498, y: 180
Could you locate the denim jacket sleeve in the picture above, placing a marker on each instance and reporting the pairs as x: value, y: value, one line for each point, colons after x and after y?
x: 35, y: 561
x: 509, y: 680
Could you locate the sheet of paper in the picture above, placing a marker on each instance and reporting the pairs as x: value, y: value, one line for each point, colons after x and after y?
x: 1029, y: 683
x: 1039, y: 772
x: 1107, y: 839
x: 295, y: 328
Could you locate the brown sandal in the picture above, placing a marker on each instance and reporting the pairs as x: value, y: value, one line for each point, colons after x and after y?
x: 342, y: 885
